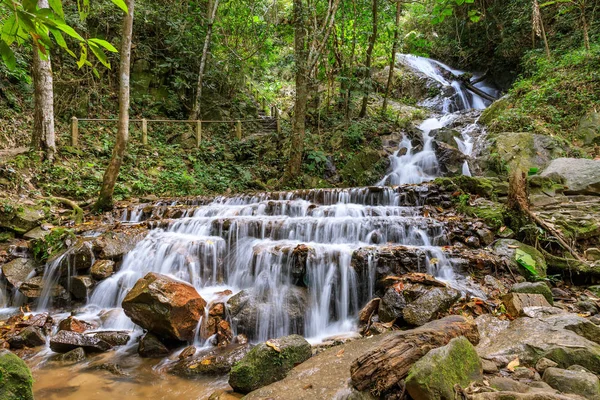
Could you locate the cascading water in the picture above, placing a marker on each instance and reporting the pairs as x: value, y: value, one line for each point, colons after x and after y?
x: 408, y: 166
x: 253, y: 243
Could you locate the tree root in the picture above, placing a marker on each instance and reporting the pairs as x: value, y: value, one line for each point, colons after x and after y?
x: 77, y: 214
x: 569, y: 264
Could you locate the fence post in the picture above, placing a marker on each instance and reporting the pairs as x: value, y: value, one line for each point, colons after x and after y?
x: 198, y: 133
x: 277, y: 121
x: 238, y: 130
x: 74, y: 132
x: 144, y: 131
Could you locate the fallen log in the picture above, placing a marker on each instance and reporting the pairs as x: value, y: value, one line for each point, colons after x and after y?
x: 479, y: 92
x: 383, y: 368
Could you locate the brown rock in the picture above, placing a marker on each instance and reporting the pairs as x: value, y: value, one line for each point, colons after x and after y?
x: 166, y: 307
x: 187, y: 352
x: 73, y: 324
x: 217, y: 309
x: 151, y: 347
x: 368, y: 310
x: 102, y: 269
x: 516, y: 302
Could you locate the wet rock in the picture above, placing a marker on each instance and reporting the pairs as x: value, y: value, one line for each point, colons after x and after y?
x: 391, y: 305
x: 581, y: 383
x: 268, y: 362
x: 16, y: 380
x: 32, y: 336
x: 472, y: 241
x: 534, y: 288
x: 113, y: 368
x: 248, y: 306
x: 367, y: 311
x: 508, y: 248
x: 429, y: 305
x: 42, y: 320
x: 187, y: 352
x: 81, y: 286
x: 543, y: 364
x: 225, y: 395
x: 73, y: 324
x: 531, y: 339
x: 102, y: 269
x: 582, y: 176
x: 33, y: 288
x: 71, y: 357
x: 166, y: 307
x: 17, y: 271
x: 113, y: 338
x: 216, y: 361
x: 437, y: 372
x: 516, y: 303
x: 115, y: 244
x: 65, y: 341
x: 151, y: 347
x: 78, y: 258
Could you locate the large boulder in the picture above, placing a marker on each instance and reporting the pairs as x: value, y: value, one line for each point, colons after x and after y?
x: 534, y: 288
x: 522, y: 150
x: 433, y: 377
x: 578, y: 382
x: 582, y: 176
x: 429, y: 305
x: 20, y: 218
x: 213, y: 361
x: 18, y: 271
x: 589, y: 128
x: 250, y: 306
x: 16, y: 382
x: 533, y: 338
x: 268, y: 362
x: 513, y: 250
x: 113, y: 245
x: 65, y: 341
x: 81, y: 286
x: 165, y: 306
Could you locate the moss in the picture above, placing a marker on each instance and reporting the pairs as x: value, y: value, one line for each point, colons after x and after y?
x: 16, y: 382
x: 567, y: 356
x: 434, y: 375
x: 492, y: 213
x: 264, y: 365
x: 473, y: 185
x: 363, y: 168
x: 51, y: 244
x: 494, y: 110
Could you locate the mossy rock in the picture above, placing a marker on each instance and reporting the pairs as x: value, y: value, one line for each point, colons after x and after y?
x: 494, y: 110
x: 18, y: 218
x: 534, y: 288
x: 509, y: 247
x: 268, y: 362
x: 492, y: 213
x: 468, y: 184
x: 433, y: 377
x: 363, y: 168
x: 16, y: 382
x: 522, y: 150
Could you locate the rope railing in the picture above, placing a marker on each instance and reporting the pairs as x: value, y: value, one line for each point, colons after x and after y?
x: 238, y: 126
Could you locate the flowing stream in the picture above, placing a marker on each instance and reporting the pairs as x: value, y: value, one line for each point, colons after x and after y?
x: 251, y: 242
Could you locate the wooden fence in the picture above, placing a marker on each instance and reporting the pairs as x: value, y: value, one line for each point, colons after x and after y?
x: 197, y: 123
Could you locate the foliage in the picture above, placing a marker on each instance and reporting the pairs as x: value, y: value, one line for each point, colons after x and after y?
x: 47, y: 246
x: 526, y: 261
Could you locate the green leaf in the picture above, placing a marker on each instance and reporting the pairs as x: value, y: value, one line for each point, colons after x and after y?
x: 97, y: 75
x: 121, y: 4
x: 104, y: 44
x: 69, y: 31
x: 526, y: 261
x: 60, y: 40
x: 56, y: 5
x: 10, y: 29
x: 100, y: 55
x: 82, y: 56
x: 8, y: 56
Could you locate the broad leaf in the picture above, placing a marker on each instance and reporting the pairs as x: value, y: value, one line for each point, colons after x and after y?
x: 56, y: 5
x: 8, y: 56
x: 121, y: 4
x: 104, y: 44
x: 99, y: 53
x: 526, y: 261
x: 69, y: 31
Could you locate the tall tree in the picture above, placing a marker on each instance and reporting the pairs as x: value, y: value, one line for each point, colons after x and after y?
x: 105, y: 199
x: 211, y: 20
x: 43, y: 137
x: 310, y: 37
x: 367, y: 73
x: 388, y: 85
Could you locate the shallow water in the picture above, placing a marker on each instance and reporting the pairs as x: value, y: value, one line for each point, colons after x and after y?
x: 144, y: 381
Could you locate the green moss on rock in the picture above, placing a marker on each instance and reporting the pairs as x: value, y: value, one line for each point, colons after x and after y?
x: 433, y: 377
x: 264, y: 365
x: 508, y: 248
x: 16, y: 382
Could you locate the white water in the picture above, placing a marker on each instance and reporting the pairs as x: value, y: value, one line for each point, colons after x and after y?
x: 409, y: 166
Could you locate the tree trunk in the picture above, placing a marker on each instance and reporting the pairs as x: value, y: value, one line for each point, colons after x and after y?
x: 584, y: 23
x: 388, y: 85
x: 299, y: 123
x: 382, y: 368
x: 105, y: 200
x: 196, y: 112
x: 367, y: 83
x: 43, y: 137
